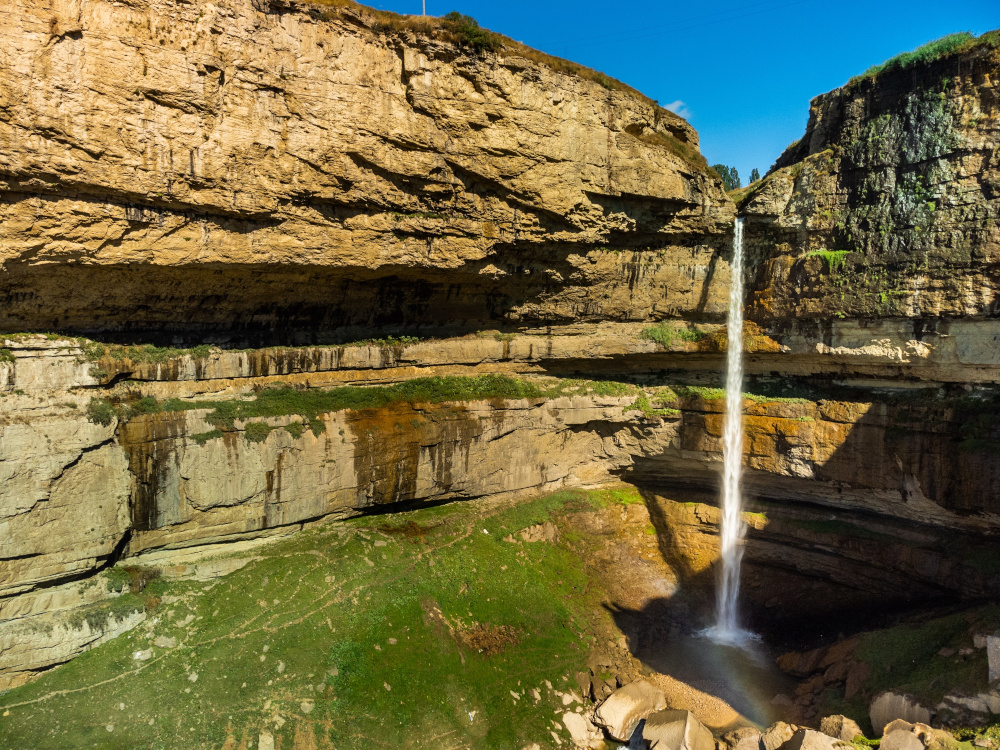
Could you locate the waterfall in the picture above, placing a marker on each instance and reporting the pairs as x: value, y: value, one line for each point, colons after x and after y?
x: 726, y: 628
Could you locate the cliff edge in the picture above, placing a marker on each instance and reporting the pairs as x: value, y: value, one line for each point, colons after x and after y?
x: 274, y: 172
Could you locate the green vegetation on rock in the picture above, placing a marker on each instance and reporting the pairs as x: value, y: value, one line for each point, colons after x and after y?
x: 95, y: 350
x: 667, y: 334
x: 311, y: 403
x: 715, y: 394
x: 908, y: 658
x: 101, y: 411
x: 922, y: 54
x: 470, y: 34
x: 203, y: 437
x: 379, y: 632
x: 835, y: 259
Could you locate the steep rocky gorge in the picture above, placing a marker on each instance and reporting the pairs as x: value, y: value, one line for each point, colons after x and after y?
x: 370, y: 206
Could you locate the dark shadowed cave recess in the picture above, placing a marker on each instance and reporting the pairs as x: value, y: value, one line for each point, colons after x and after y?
x: 810, y: 576
x: 260, y: 304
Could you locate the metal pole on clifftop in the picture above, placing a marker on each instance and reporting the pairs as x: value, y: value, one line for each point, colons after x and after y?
x: 425, y: 8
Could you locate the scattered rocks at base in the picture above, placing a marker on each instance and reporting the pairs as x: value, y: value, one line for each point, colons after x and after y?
x: 777, y: 735
x: 627, y: 706
x: 840, y: 727
x: 904, y: 735
x: 144, y: 655
x: 163, y: 641
x: 980, y: 703
x: 676, y: 729
x: 826, y: 667
x: 805, y: 664
x: 582, y: 731
x: 266, y: 741
x: 810, y: 739
x: 901, y: 739
x: 889, y: 706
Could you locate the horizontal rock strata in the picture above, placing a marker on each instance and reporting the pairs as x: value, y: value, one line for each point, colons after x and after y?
x: 266, y: 173
x: 888, y: 205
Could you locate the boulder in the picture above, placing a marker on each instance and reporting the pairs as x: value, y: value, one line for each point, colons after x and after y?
x: 901, y: 739
x: 993, y: 654
x: 627, y: 706
x: 676, y: 729
x: 856, y: 679
x: 903, y: 735
x: 777, y: 735
x: 744, y: 738
x: 889, y: 706
x: 810, y: 739
x: 975, y: 703
x: 581, y: 731
x: 840, y: 727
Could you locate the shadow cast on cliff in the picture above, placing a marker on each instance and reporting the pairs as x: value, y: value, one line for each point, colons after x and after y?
x: 828, y: 553
x: 514, y: 287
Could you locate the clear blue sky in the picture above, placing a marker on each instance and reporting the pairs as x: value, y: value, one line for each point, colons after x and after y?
x: 744, y: 70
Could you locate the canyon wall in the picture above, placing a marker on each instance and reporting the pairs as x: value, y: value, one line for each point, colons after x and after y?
x: 887, y: 207
x: 370, y: 203
x: 254, y: 171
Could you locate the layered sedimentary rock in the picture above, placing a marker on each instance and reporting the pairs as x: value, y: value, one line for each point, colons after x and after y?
x: 270, y: 173
x: 273, y: 172
x: 888, y: 205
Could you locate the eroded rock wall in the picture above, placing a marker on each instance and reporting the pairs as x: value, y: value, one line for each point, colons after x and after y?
x: 197, y: 170
x: 916, y: 457
x: 888, y: 205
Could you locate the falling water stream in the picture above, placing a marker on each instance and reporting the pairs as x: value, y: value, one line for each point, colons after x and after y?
x: 726, y: 629
x: 725, y: 660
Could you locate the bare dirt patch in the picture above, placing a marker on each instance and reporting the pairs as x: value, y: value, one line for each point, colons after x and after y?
x: 491, y: 639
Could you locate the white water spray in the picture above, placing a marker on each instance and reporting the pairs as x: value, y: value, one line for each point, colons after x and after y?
x: 726, y: 629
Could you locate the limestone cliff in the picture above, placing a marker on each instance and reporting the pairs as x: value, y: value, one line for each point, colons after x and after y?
x: 286, y: 172
x: 262, y: 172
x: 887, y: 207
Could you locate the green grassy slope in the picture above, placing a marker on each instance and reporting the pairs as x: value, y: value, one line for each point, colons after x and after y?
x: 415, y: 630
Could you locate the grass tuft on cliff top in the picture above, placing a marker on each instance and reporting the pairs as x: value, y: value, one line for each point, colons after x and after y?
x: 353, y: 635
x: 951, y: 44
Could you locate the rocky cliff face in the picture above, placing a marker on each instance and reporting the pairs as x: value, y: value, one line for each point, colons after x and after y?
x: 285, y: 173
x: 887, y: 208
x: 272, y: 173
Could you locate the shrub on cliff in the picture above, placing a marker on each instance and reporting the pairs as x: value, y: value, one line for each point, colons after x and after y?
x: 100, y: 411
x: 469, y: 33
